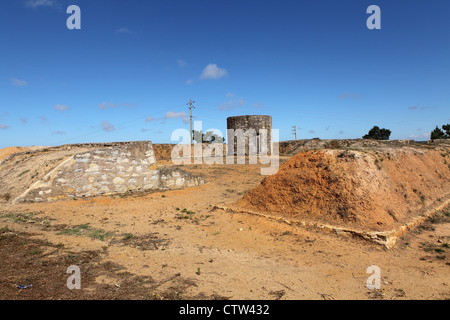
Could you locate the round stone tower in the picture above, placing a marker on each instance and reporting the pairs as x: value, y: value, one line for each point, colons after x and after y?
x: 250, y: 126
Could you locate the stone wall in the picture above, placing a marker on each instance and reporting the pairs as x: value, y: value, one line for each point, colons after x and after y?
x: 105, y: 171
x: 439, y: 141
x: 249, y: 122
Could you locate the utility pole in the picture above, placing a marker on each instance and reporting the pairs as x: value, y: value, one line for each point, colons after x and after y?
x: 294, y: 131
x: 190, y: 109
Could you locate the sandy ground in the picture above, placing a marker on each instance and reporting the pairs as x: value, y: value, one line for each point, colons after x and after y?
x: 190, y: 250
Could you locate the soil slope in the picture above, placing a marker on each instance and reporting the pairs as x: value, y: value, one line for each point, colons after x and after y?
x: 21, y: 169
x: 6, y: 152
x: 365, y: 190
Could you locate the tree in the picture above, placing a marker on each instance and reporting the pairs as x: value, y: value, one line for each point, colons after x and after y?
x: 446, y: 127
x: 208, y: 137
x: 438, y: 133
x: 378, y: 134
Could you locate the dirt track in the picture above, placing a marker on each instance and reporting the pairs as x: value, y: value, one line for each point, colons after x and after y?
x: 175, y: 245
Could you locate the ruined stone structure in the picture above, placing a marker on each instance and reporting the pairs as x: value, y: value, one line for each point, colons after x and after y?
x: 251, y: 126
x: 109, y: 170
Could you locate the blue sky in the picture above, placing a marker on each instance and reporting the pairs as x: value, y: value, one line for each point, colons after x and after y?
x: 129, y: 72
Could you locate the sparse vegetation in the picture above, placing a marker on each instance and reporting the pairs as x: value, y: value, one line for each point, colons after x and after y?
x: 391, y: 213
x: 77, y: 231
x: 21, y: 217
x: 87, y: 230
x: 150, y: 223
x: 6, y: 196
x: 4, y: 230
x: 440, y: 250
x: 100, y: 234
x: 23, y: 173
x: 378, y: 164
x: 34, y: 252
x: 127, y: 236
x: 186, y: 214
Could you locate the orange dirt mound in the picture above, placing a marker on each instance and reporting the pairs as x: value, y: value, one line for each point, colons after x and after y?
x: 368, y: 190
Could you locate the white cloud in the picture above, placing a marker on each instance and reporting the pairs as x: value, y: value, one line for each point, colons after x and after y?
x: 59, y: 132
x: 4, y: 126
x: 124, y: 30
x: 232, y: 104
x: 228, y: 105
x: 18, y: 83
x: 106, y: 105
x: 422, y: 108
x: 212, y: 71
x: 107, y: 126
x: 173, y: 115
x: 128, y: 105
x: 61, y: 108
x: 259, y: 105
x: 230, y: 95
x: 189, y: 82
x: 420, y: 137
x: 347, y: 95
x: 181, y: 63
x: 149, y: 119
x: 40, y: 3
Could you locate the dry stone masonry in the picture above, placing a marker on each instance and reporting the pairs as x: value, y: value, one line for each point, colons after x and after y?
x: 105, y: 171
x: 246, y: 124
